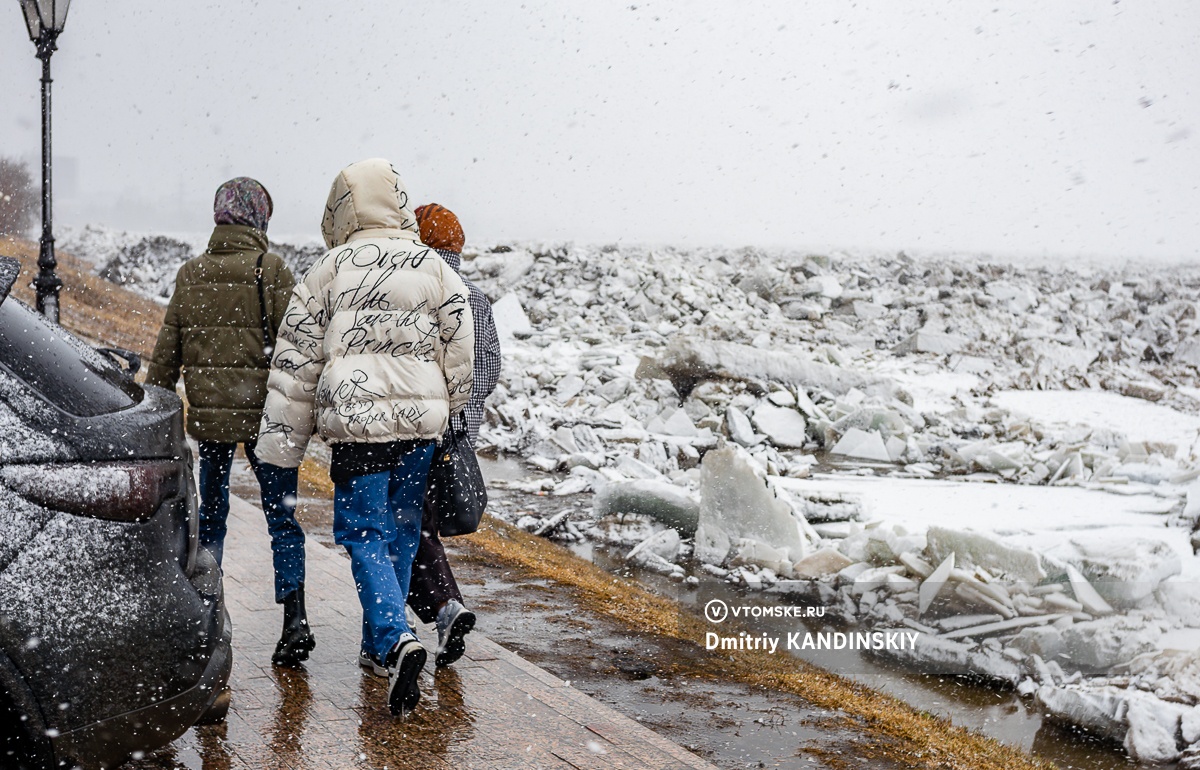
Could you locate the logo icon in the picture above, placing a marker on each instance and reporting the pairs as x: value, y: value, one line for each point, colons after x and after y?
x: 716, y: 611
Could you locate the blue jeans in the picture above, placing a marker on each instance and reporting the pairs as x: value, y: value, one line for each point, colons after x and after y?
x: 377, y: 518
x: 277, y: 487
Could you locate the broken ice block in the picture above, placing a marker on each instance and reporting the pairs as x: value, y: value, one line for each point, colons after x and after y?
x: 782, y: 398
x: 1147, y: 726
x: 868, y: 311
x: 749, y: 551
x: 871, y: 579
x: 1188, y: 352
x: 933, y: 585
x: 934, y: 654
x: 655, y: 563
x: 1124, y: 571
x: 1046, y: 355
x: 823, y: 286
x: 806, y: 405
x: 586, y: 439
x: 568, y: 388
x: 637, y: 469
x: 785, y: 427
x: 564, y: 439
x: 1153, y: 725
x: 1001, y: 626
x: 688, y: 361
x: 985, y: 551
x: 679, y: 424
x: 1098, y: 645
x: 862, y: 445
x: 916, y: 565
x: 1044, y: 641
x: 1093, y: 710
x: 661, y: 500
x: 899, y: 584
x: 930, y: 342
x: 995, y: 458
x: 665, y: 544
x: 739, y: 427
x: 827, y: 561
x: 737, y: 501
x: 1086, y: 594
x: 510, y: 318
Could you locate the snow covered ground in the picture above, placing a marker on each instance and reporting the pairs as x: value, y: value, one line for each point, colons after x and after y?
x: 996, y: 455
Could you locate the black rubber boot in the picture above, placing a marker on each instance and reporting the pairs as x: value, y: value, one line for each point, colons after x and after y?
x: 297, y: 640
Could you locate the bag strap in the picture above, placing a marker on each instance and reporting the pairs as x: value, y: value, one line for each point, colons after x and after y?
x: 268, y: 347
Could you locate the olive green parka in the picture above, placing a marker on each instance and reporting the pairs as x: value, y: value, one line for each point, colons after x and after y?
x: 213, y: 330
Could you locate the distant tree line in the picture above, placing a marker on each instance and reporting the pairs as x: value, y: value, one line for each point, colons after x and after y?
x: 18, y: 197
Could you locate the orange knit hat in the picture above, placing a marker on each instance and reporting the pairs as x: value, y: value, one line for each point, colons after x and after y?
x: 440, y: 228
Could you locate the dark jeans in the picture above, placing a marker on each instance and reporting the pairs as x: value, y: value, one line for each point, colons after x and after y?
x: 277, y: 487
x: 432, y: 583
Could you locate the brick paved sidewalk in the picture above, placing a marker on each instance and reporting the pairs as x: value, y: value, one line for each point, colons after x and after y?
x: 492, y: 709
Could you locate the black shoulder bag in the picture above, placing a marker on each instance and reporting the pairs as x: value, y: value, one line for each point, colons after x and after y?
x: 455, y: 489
x: 268, y: 346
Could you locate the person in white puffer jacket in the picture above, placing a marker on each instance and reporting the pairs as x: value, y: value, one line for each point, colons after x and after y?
x: 375, y: 354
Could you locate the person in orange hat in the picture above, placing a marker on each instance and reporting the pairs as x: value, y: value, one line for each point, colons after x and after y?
x: 441, y: 230
x: 433, y: 592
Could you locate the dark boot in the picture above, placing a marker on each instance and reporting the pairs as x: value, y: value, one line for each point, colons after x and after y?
x: 297, y: 640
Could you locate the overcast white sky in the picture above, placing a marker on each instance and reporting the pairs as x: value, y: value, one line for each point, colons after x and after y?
x: 1018, y: 127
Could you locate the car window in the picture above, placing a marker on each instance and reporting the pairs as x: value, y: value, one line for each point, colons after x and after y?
x: 62, y: 370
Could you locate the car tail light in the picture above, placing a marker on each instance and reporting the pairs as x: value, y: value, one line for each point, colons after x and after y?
x: 125, y: 491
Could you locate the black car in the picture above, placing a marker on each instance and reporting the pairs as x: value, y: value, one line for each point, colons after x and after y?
x: 114, y: 637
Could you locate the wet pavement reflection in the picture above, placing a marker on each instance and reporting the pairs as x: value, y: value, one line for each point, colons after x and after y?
x: 285, y: 736
x: 442, y: 726
x: 491, y: 710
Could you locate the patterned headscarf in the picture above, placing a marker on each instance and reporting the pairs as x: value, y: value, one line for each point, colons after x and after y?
x: 242, y: 201
x: 440, y: 228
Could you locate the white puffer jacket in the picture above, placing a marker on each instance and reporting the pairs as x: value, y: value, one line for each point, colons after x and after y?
x: 377, y: 343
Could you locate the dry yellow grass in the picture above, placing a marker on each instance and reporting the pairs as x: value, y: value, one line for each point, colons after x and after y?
x: 95, y: 309
x: 314, y: 480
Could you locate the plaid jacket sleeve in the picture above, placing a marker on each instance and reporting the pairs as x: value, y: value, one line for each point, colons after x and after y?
x: 487, y: 359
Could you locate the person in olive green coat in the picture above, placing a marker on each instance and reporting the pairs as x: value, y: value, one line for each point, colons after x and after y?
x: 220, y: 328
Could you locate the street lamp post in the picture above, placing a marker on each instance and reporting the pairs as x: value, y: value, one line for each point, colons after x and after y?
x: 45, y: 20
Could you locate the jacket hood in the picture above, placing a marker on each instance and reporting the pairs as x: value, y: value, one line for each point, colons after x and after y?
x: 237, y: 238
x: 367, y: 199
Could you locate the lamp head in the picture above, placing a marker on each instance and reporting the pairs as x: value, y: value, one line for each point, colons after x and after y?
x: 44, y: 16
